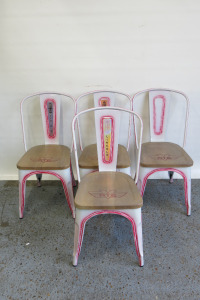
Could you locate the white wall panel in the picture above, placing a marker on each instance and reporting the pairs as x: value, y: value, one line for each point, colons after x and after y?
x: 77, y: 46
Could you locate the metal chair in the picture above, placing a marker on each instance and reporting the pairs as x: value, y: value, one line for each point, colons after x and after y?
x: 88, y: 161
x: 106, y: 191
x: 165, y: 120
x: 46, y: 150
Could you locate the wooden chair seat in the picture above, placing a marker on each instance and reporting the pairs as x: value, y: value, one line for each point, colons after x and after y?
x: 45, y: 157
x: 164, y: 154
x: 108, y: 190
x: 89, y: 160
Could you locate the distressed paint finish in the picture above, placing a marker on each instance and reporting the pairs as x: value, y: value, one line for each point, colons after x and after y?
x: 159, y: 102
x: 50, y: 116
x: 104, y: 101
x: 158, y: 117
x: 50, y: 105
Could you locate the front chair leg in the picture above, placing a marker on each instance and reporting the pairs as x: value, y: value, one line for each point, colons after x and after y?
x: 39, y: 178
x: 22, y: 192
x: 187, y: 187
x: 136, y: 220
x: 66, y: 179
x: 80, y: 221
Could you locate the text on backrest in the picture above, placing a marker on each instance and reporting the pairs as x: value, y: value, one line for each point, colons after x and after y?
x: 107, y: 138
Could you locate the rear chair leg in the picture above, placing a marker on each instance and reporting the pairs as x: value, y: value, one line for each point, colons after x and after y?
x: 171, y: 174
x: 39, y: 178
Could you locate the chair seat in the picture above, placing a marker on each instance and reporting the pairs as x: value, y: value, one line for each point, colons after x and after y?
x: 108, y: 190
x: 164, y: 154
x: 89, y: 160
x: 45, y: 157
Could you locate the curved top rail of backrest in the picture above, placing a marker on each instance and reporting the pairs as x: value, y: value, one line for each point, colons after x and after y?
x: 173, y: 91
x: 108, y: 108
x: 39, y: 94
x: 96, y: 92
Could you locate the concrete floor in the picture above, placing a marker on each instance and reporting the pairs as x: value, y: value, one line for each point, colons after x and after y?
x: 36, y: 252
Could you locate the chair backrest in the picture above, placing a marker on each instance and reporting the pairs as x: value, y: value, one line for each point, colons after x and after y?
x: 103, y: 98
x: 43, y: 118
x: 107, y: 125
x: 165, y: 107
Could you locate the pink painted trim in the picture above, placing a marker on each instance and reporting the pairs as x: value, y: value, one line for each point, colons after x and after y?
x: 162, y: 114
x: 82, y: 226
x: 107, y: 99
x: 47, y: 119
x: 44, y: 172
x: 102, y: 139
x: 167, y: 169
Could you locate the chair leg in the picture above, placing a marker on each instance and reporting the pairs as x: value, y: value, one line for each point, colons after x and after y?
x: 136, y: 220
x: 65, y: 176
x: 171, y: 174
x: 74, y: 183
x: 142, y: 180
x: 187, y: 188
x: 72, y: 175
x: 39, y: 178
x: 78, y: 234
x: 133, y: 215
x: 22, y: 192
